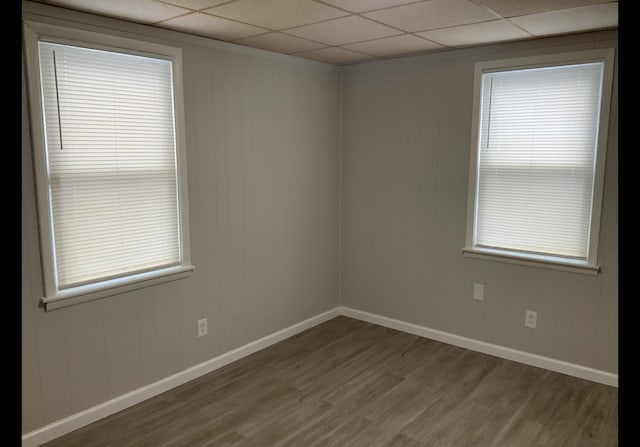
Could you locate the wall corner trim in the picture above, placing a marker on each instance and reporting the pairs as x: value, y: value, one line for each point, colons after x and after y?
x: 75, y: 421
x: 539, y: 361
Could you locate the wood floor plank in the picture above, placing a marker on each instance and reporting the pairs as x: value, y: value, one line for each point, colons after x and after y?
x: 399, y: 406
x: 358, y: 366
x: 504, y: 392
x: 453, y: 384
x: 594, y: 419
x: 217, y: 417
x: 343, y: 433
x: 306, y: 374
x: 230, y: 439
x: 337, y: 425
x: 518, y: 431
x: 565, y: 413
x: 278, y: 425
x: 357, y: 393
x: 609, y: 433
x: 351, y: 383
x: 416, y: 354
x: 403, y: 441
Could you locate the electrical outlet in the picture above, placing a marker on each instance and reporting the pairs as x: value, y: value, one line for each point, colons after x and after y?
x: 202, y: 328
x: 531, y: 319
x: 478, y: 291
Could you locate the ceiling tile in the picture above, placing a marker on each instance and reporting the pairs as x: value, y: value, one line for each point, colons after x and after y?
x: 281, y: 43
x: 511, y: 8
x: 344, y: 30
x: 334, y: 55
x: 144, y: 11
x: 390, y: 46
x: 195, y: 4
x: 476, y: 33
x: 277, y: 14
x: 216, y: 27
x: 366, y: 5
x: 570, y: 20
x: 432, y: 14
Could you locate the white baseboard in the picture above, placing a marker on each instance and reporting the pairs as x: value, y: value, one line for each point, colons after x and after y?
x: 78, y: 420
x: 539, y: 361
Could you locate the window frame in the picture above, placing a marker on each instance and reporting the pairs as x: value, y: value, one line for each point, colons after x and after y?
x: 54, y: 298
x: 470, y: 250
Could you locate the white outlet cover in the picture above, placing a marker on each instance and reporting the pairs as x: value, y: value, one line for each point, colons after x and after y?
x: 202, y: 328
x: 531, y: 319
x: 478, y: 291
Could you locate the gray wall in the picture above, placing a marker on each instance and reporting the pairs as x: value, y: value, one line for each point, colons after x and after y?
x: 405, y: 163
x: 262, y: 148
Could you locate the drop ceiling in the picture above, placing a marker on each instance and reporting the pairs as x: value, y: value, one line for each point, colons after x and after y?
x: 344, y: 32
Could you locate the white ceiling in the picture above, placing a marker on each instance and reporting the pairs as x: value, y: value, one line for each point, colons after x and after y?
x: 349, y: 31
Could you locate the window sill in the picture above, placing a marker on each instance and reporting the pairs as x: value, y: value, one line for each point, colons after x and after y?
x: 489, y: 255
x: 108, y: 288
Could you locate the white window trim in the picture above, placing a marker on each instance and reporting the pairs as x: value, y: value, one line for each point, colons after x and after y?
x: 591, y: 266
x: 53, y: 298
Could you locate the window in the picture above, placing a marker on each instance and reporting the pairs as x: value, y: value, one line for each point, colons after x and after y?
x: 109, y: 168
x: 540, y: 130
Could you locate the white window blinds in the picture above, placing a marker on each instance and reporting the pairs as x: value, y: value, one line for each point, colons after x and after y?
x: 111, y: 160
x: 537, y: 146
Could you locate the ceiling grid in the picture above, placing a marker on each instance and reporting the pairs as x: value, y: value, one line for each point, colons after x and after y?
x: 344, y: 32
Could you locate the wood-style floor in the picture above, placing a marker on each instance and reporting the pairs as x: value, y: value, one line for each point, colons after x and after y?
x: 350, y: 383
